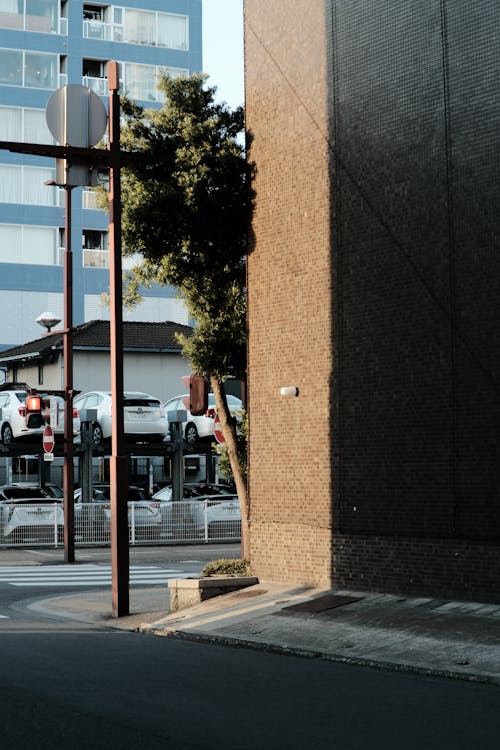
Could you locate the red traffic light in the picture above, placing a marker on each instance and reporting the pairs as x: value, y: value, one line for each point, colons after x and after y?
x: 34, y: 403
x: 197, y: 399
x: 34, y: 417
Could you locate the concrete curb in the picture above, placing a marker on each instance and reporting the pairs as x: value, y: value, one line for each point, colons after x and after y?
x: 385, y: 666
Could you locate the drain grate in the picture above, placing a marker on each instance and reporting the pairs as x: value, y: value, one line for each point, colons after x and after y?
x: 322, y: 603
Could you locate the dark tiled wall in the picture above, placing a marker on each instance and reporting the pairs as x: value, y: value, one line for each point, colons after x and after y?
x: 415, y: 109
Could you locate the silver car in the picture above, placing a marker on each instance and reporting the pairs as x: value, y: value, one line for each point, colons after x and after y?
x: 30, y: 512
x: 209, y: 511
x: 143, y: 415
x: 93, y: 520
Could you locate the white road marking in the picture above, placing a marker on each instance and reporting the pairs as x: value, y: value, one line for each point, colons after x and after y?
x: 82, y: 575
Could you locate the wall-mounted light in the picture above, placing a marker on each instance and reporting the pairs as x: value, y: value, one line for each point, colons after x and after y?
x: 289, y: 390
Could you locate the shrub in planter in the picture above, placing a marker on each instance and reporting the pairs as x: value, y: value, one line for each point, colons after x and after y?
x: 226, y: 567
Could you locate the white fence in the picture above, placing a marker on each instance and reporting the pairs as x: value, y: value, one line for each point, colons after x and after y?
x: 149, y: 522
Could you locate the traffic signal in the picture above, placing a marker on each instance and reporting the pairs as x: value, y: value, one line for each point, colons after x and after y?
x: 197, y: 399
x: 34, y: 416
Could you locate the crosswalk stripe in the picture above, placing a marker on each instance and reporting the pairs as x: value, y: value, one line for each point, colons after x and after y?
x: 85, y: 575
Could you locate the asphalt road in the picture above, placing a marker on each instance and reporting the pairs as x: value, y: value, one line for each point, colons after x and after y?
x: 89, y: 686
x: 119, y: 689
x: 28, y: 576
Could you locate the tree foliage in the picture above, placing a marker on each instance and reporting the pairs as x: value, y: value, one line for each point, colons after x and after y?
x: 186, y: 210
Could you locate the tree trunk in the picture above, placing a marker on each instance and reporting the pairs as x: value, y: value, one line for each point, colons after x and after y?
x: 228, y: 427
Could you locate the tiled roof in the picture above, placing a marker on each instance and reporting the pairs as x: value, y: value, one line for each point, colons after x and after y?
x: 94, y: 335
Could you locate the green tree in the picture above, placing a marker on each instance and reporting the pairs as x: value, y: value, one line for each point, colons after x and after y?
x: 186, y: 209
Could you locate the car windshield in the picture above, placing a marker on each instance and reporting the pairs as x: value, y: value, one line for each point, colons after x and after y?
x: 14, y: 493
x: 148, y: 402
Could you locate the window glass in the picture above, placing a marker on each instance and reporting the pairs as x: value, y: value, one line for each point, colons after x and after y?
x: 35, y: 128
x: 28, y: 125
x: 10, y: 183
x: 172, y: 31
x: 39, y: 245
x: 10, y: 123
x: 11, y: 67
x: 40, y: 71
x: 139, y: 27
x: 140, y: 82
x: 10, y: 17
x: 41, y: 15
x: 10, y: 242
x: 34, y: 190
x: 27, y: 244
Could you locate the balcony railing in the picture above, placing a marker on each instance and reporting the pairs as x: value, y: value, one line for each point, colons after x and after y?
x: 99, y: 85
x: 108, y: 32
x: 95, y: 258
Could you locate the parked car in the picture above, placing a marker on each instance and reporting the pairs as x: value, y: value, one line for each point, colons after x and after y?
x: 144, y: 417
x: 30, y: 511
x: 144, y: 512
x: 13, y: 415
x: 214, y: 512
x: 51, y: 489
x: 196, y: 427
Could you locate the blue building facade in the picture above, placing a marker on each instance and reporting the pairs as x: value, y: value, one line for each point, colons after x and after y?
x: 45, y: 44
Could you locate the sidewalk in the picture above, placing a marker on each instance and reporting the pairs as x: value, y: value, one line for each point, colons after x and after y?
x: 424, y: 635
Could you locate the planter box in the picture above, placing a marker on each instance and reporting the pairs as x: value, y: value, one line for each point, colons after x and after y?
x: 186, y: 592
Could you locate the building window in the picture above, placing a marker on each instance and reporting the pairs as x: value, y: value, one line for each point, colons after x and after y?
x: 40, y: 372
x: 20, y: 184
x: 141, y: 81
x: 36, y: 70
x: 41, y: 16
x: 23, y: 243
x: 25, y: 125
x: 95, y: 249
x: 95, y: 76
x: 112, y: 23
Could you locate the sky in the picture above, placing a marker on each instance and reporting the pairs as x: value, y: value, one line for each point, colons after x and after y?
x: 223, y: 48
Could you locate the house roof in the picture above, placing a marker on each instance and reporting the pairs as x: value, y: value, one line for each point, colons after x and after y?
x: 94, y: 336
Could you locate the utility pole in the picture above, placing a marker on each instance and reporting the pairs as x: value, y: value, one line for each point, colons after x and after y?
x: 118, y: 461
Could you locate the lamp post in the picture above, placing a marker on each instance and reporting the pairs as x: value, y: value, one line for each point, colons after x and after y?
x: 77, y: 119
x: 68, y: 467
x: 68, y: 470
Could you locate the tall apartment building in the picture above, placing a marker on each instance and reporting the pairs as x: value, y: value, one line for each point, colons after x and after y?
x: 45, y: 44
x: 373, y: 294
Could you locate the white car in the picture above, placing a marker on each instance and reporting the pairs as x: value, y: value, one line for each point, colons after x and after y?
x: 13, y: 415
x: 211, y: 511
x: 30, y: 512
x: 143, y: 415
x: 144, y: 514
x: 202, y: 426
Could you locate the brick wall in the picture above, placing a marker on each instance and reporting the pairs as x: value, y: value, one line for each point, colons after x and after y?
x: 373, y: 287
x: 289, y: 291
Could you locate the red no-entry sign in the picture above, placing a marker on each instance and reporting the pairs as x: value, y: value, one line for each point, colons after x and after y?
x: 48, y: 439
x: 218, y: 434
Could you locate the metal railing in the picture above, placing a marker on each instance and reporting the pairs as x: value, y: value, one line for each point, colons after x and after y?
x: 196, y: 521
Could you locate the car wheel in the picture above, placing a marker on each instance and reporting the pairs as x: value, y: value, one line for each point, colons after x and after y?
x: 191, y: 434
x: 97, y: 436
x: 7, y: 436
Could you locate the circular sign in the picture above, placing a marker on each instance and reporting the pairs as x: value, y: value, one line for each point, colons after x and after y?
x: 48, y: 439
x: 76, y: 116
x: 218, y: 434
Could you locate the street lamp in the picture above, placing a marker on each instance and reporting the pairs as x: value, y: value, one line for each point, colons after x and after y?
x: 68, y: 468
